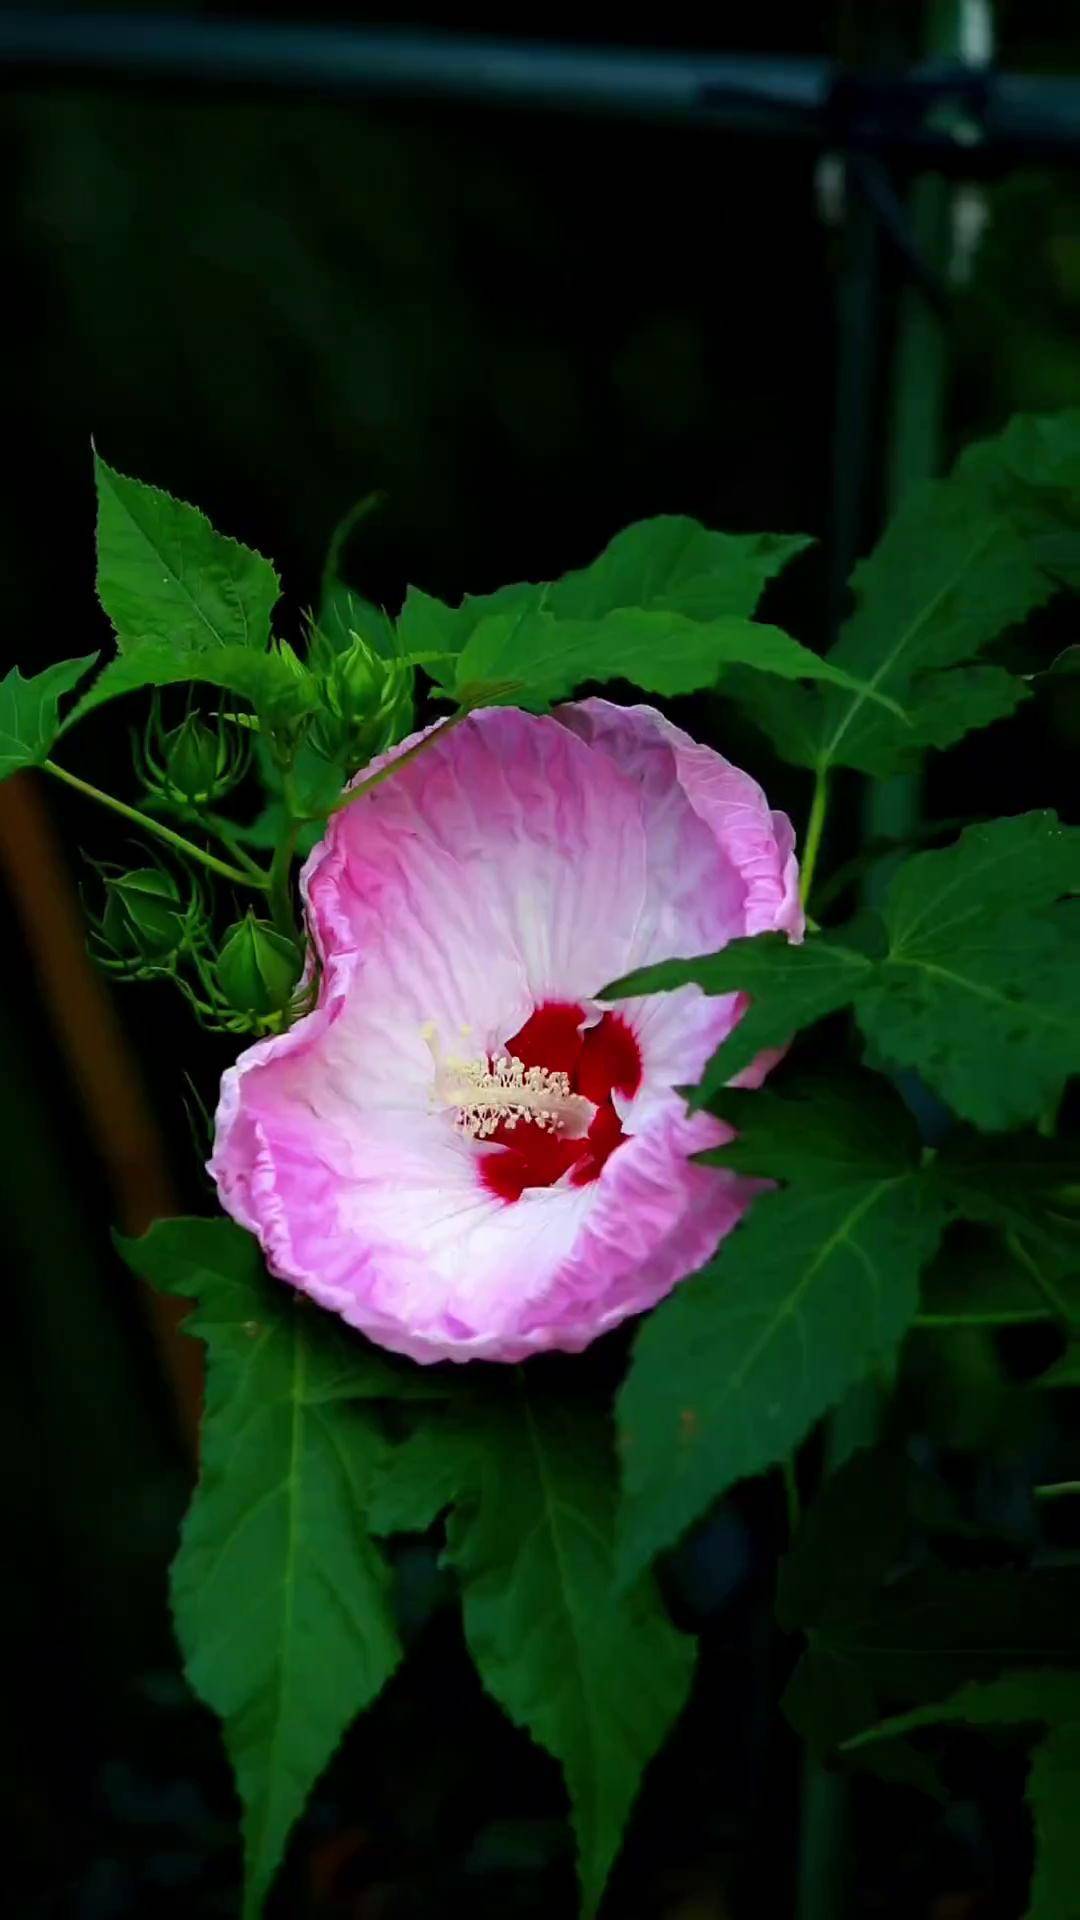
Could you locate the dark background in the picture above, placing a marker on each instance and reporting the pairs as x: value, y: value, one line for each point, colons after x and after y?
x: 526, y: 330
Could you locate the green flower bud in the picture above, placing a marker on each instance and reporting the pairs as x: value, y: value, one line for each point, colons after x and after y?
x: 258, y: 968
x: 145, y: 917
x: 365, y: 702
x: 195, y: 762
x: 358, y: 681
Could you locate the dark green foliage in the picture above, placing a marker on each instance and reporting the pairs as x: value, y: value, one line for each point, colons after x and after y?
x: 591, y: 1668
x: 959, y: 990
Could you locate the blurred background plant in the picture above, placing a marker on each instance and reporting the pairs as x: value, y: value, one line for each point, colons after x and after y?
x: 523, y: 330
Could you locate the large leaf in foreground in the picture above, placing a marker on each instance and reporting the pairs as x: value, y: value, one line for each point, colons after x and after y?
x: 669, y: 564
x: 672, y: 564
x: 666, y: 606
x: 532, y: 658
x: 280, y: 1597
x: 29, y: 721
x: 594, y: 1672
x: 166, y: 578
x: 812, y: 1292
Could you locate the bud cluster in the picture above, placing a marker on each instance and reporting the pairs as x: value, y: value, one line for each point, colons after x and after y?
x: 194, y: 764
x: 365, y: 698
x: 155, y: 925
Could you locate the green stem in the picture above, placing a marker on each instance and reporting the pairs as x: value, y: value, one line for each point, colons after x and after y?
x: 343, y: 533
x: 213, y: 823
x: 402, y: 760
x: 239, y: 853
x: 281, y: 902
x: 1057, y: 1490
x: 149, y: 825
x: 815, y: 827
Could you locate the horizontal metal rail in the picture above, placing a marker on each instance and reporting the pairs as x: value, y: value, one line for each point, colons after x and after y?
x: 1017, y: 116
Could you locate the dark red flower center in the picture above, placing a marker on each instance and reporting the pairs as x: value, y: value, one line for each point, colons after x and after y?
x: 598, y: 1062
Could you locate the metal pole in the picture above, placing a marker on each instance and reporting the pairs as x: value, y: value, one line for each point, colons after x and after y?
x: 1023, y: 116
x: 955, y: 29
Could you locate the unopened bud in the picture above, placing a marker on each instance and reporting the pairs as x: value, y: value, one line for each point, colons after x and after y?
x: 195, y: 762
x: 365, y: 703
x: 258, y: 968
x: 359, y: 677
x: 144, y: 917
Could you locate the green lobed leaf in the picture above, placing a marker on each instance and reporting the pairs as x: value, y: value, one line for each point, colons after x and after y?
x: 963, y: 560
x: 267, y: 681
x: 665, y: 606
x: 429, y: 626
x: 424, y: 1475
x: 952, y: 704
x: 672, y: 564
x: 948, y: 575
x: 944, y: 706
x: 596, y: 1676
x: 1031, y: 472
x: 166, y: 578
x: 280, y: 1597
x: 849, y: 1126
x: 811, y: 1293
x: 1028, y: 1187
x: 968, y: 976
x: 536, y: 658
x: 595, y: 1673
x: 29, y: 722
x: 669, y: 564
x: 790, y: 987
x: 1039, y: 1697
x: 977, y: 989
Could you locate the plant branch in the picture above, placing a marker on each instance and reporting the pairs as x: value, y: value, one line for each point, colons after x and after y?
x: 280, y: 888
x: 222, y: 830
x: 401, y: 760
x: 815, y: 827
x: 281, y: 907
x: 146, y: 821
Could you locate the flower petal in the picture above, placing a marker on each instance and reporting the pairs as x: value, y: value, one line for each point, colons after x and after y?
x: 516, y: 865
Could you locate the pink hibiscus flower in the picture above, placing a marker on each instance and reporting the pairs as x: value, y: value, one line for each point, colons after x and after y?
x: 460, y: 1149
